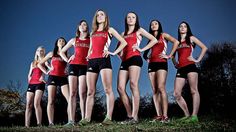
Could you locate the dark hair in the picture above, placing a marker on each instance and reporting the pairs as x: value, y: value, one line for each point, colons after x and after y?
x: 77, y: 29
x: 160, y: 31
x: 136, y: 27
x: 55, y: 50
x: 188, y: 34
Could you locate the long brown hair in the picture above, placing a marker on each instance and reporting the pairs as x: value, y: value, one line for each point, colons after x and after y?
x: 95, y: 23
x: 159, y: 30
x: 188, y: 34
x: 136, y: 26
x: 77, y: 29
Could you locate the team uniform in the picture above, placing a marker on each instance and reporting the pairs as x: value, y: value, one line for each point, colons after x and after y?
x: 78, y: 66
x: 129, y: 56
x: 185, y: 50
x: 100, y: 43
x: 155, y: 62
x: 35, y: 83
x: 57, y: 76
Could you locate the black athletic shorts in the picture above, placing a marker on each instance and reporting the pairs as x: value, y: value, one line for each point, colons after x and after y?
x: 183, y: 71
x: 133, y: 61
x: 33, y: 87
x: 97, y: 64
x: 155, y: 66
x: 77, y: 70
x: 57, y: 80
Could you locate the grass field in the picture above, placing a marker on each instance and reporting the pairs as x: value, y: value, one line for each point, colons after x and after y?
x: 205, y: 124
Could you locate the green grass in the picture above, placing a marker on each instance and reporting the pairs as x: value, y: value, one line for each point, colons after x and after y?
x: 144, y: 125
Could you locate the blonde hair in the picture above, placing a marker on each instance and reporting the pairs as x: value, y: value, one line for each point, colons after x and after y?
x: 36, y: 57
x: 95, y: 23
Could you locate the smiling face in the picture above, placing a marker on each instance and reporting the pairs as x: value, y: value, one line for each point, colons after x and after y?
x: 131, y: 19
x: 154, y: 25
x: 183, y: 28
x: 101, y: 17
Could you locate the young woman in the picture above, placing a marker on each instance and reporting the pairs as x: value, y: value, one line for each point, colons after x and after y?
x: 57, y: 77
x: 158, y: 67
x: 35, y: 88
x: 187, y: 70
x: 77, y: 69
x: 131, y: 64
x: 99, y: 61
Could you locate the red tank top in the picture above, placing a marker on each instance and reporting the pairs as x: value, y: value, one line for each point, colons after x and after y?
x: 184, y: 51
x: 100, y: 42
x: 81, y: 48
x: 35, y: 76
x: 128, y: 52
x: 58, y: 67
x: 157, y: 49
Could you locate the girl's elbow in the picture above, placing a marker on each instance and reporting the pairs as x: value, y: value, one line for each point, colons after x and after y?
x: 39, y: 64
x: 125, y: 43
x: 155, y: 41
x: 205, y: 48
x: 177, y: 42
x: 61, y: 53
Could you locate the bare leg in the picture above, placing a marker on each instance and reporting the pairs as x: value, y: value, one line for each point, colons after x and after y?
x: 179, y: 84
x: 51, y: 101
x: 106, y: 75
x: 134, y: 73
x: 193, y: 82
x: 73, y: 86
x: 161, y: 79
x: 91, y: 80
x: 122, y: 81
x: 29, y: 106
x: 37, y: 106
x: 156, y: 93
x: 82, y: 94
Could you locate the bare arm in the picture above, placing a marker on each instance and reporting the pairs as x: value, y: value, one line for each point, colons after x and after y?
x: 65, y: 48
x: 40, y: 64
x: 152, y: 39
x: 47, y: 65
x: 90, y: 48
x: 174, y: 47
x: 122, y: 41
x: 30, y: 71
x: 201, y: 45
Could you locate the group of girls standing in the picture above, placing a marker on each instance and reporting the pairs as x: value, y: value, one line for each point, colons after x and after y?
x: 92, y: 56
